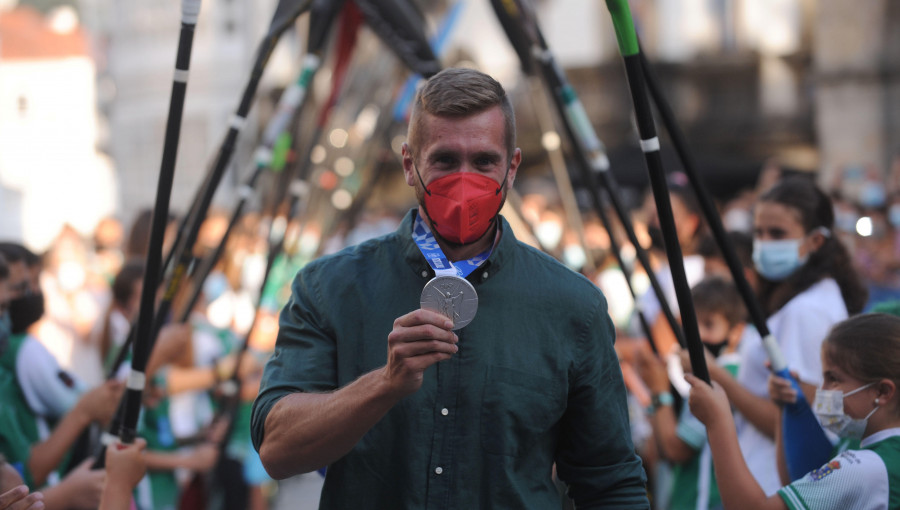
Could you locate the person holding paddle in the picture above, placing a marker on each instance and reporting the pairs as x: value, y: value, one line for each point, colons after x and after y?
x: 806, y: 285
x: 858, y: 398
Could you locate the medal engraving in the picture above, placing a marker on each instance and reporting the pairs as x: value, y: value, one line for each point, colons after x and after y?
x: 451, y: 296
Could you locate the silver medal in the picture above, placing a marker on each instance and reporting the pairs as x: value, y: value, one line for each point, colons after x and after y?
x: 452, y: 296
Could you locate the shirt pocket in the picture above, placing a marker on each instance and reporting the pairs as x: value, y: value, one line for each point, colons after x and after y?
x: 517, y: 409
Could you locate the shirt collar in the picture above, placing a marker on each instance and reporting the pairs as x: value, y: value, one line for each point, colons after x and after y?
x: 881, y: 435
x: 415, y: 259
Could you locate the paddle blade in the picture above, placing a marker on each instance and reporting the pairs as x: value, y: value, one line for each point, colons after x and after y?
x: 321, y: 16
x: 195, y: 495
x: 285, y: 13
x: 399, y: 24
x: 510, y: 18
x: 806, y: 447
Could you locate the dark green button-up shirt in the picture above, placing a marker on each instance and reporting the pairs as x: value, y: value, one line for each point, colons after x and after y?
x: 535, y: 381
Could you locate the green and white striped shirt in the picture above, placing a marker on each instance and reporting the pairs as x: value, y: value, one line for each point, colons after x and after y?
x: 865, y: 479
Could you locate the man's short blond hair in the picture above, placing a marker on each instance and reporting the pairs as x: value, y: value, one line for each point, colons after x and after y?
x: 460, y: 92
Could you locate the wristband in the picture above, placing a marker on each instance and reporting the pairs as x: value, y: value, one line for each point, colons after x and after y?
x: 659, y: 400
x: 221, y: 371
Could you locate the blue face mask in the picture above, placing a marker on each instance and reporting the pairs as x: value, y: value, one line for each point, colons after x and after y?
x: 894, y: 215
x: 776, y: 260
x: 215, y: 285
x: 872, y: 194
x: 845, y: 221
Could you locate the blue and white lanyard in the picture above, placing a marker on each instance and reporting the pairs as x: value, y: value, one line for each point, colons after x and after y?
x: 442, y: 266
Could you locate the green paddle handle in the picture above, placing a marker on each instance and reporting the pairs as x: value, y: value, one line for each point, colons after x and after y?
x: 624, y: 27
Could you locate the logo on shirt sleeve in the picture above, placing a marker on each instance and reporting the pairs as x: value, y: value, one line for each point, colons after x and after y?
x: 66, y: 379
x: 825, y: 470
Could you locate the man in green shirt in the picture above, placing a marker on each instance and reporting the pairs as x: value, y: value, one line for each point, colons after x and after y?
x: 414, y: 401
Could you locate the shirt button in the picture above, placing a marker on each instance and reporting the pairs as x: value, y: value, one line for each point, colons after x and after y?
x: 424, y: 274
x: 484, y: 275
x: 438, y: 470
x: 445, y: 411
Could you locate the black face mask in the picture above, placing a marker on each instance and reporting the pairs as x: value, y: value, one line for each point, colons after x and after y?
x: 656, y: 237
x: 717, y: 348
x: 25, y: 311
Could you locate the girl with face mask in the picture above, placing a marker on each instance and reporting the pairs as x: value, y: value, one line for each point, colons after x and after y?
x: 858, y: 398
x: 806, y: 285
x: 794, y: 247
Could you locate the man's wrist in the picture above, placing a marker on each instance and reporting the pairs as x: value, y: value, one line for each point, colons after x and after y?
x: 381, y: 386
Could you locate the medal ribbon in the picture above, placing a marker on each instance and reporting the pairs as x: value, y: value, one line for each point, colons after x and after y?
x: 442, y: 266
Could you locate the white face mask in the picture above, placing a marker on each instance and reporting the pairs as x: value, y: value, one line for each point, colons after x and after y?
x: 549, y: 233
x: 574, y: 256
x: 738, y: 219
x: 829, y: 409
x: 253, y: 271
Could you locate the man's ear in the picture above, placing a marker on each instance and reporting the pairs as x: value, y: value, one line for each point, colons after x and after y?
x: 514, y: 163
x: 407, y: 158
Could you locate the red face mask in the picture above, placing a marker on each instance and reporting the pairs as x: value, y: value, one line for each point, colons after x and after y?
x: 462, y: 205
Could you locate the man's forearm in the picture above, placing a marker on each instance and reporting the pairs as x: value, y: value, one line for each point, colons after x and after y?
x: 306, y: 431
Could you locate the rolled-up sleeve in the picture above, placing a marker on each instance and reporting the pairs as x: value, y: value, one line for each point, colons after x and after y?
x: 596, y: 457
x: 304, y: 357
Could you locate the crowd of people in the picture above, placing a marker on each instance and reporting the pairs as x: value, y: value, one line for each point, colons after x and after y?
x: 807, y: 286
x: 560, y: 391
x: 67, y: 315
